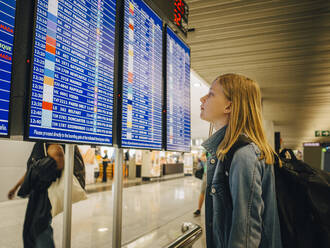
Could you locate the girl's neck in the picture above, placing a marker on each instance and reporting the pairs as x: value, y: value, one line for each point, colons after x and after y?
x: 217, y: 125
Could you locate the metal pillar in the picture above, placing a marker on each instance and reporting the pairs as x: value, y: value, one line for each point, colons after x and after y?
x: 117, y: 195
x: 67, y: 208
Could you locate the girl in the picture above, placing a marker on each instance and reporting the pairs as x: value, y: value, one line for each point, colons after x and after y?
x: 248, y: 217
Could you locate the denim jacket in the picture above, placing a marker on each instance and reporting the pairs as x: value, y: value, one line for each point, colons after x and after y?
x: 249, y: 218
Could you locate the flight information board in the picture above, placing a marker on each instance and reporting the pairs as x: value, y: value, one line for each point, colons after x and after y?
x: 178, y: 94
x: 73, y: 70
x: 7, y: 25
x: 142, y: 77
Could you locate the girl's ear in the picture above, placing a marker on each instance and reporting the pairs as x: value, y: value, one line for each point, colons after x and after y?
x: 227, y: 109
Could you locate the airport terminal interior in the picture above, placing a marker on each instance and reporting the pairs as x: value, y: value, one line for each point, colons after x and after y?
x: 114, y: 88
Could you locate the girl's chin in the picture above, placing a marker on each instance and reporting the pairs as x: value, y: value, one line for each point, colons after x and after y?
x: 204, y: 118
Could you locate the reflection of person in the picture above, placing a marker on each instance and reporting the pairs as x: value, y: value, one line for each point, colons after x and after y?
x: 43, y: 169
x: 38, y: 152
x: 12, y: 192
x: 240, y: 205
x: 105, y: 165
x: 202, y: 164
x: 79, y: 167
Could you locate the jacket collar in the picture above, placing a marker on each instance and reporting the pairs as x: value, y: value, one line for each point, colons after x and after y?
x: 212, y: 143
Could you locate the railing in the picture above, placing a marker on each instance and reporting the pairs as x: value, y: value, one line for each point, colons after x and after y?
x: 190, y: 234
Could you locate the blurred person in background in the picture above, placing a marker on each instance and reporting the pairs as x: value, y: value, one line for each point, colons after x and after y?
x: 202, y: 164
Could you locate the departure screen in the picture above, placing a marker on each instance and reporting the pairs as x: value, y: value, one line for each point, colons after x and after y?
x: 7, y: 25
x: 178, y: 94
x: 142, y: 80
x: 73, y: 70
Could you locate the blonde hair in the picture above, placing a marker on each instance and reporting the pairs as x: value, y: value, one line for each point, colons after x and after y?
x: 245, y: 117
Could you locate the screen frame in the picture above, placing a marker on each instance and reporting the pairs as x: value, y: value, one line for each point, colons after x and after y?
x: 165, y: 143
x: 26, y: 136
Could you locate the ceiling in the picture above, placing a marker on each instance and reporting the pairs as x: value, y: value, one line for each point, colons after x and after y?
x: 284, y: 45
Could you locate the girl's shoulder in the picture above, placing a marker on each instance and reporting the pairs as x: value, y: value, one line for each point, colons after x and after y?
x: 247, y: 158
x: 250, y: 151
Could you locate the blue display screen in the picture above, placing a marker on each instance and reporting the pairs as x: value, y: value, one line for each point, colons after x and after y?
x: 178, y: 94
x: 142, y: 78
x: 73, y: 70
x: 7, y: 24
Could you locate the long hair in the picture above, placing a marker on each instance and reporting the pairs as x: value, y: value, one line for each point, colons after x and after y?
x: 245, y: 117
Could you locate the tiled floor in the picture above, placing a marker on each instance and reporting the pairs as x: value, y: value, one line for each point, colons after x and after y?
x: 152, y: 216
x: 100, y: 186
